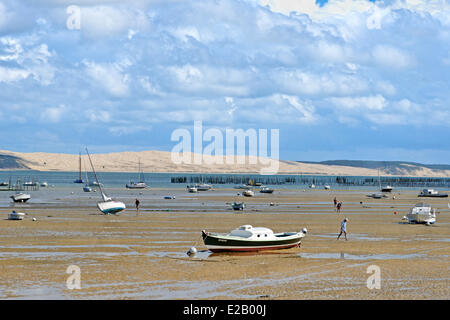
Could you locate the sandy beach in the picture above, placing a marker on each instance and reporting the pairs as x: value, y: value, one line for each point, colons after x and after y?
x: 130, y: 256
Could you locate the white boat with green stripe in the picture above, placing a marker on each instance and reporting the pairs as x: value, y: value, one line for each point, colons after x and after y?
x: 248, y: 238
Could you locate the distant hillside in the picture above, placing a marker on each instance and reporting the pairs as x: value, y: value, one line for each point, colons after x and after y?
x: 389, y: 167
x: 11, y: 162
x: 161, y: 161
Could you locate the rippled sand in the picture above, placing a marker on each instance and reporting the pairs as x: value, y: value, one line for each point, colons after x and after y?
x: 143, y: 256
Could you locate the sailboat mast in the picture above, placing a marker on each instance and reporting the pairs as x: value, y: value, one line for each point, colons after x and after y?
x: 95, y: 174
x: 79, y: 165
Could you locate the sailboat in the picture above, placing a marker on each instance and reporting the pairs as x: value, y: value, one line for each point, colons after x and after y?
x: 378, y: 195
x: 108, y: 205
x: 79, y: 180
x: 138, y: 185
x: 86, y: 187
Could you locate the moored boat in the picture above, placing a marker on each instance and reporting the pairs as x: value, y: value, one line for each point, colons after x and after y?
x: 386, y: 189
x: 266, y: 190
x: 422, y: 213
x: 203, y: 187
x: 20, y: 197
x: 192, y: 189
x: 137, y: 185
x: 431, y: 193
x: 16, y: 215
x: 248, y: 193
x: 248, y: 238
x: 238, y: 205
x: 108, y: 205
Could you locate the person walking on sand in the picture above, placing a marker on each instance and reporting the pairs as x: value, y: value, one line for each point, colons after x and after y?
x: 343, y: 229
x: 338, y: 207
x: 335, y: 202
x: 137, y: 202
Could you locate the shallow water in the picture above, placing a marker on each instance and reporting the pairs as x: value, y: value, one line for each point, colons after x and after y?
x: 346, y: 256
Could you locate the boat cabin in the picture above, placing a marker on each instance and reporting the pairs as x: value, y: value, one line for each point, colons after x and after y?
x: 248, y: 231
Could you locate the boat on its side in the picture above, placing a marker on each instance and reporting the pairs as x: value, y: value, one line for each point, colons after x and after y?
x: 108, y: 205
x: 422, y: 213
x: 431, y: 193
x: 248, y: 193
x: 16, y: 215
x: 20, y: 197
x: 248, y: 238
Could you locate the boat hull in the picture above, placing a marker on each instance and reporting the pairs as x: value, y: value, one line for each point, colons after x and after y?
x: 21, y: 198
x: 219, y: 244
x: 440, y: 195
x: 16, y: 216
x: 421, y: 219
x: 111, y: 207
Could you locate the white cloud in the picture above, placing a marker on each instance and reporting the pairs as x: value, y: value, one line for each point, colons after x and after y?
x: 12, y: 74
x: 377, y: 102
x: 54, y: 114
x: 391, y: 57
x: 110, y: 77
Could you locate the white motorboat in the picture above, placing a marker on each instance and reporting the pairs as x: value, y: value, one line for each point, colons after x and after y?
x: 387, y: 188
x: 247, y: 238
x: 20, y: 197
x: 248, y: 193
x: 137, y: 185
x: 4, y: 184
x: 108, y: 205
x: 422, y: 213
x: 312, y: 186
x: 44, y: 184
x: 16, y: 215
x: 327, y: 187
x: 432, y: 194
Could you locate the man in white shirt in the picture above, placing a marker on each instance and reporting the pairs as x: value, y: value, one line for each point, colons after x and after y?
x: 343, y: 229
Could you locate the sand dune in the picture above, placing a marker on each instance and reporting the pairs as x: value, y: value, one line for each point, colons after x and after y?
x: 160, y: 161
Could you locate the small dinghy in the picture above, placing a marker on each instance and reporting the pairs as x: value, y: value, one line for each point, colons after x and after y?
x: 248, y: 193
x: 16, y: 215
x: 20, y: 197
x: 169, y: 197
x: 247, y: 238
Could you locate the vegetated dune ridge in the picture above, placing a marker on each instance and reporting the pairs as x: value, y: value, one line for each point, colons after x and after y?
x: 161, y: 161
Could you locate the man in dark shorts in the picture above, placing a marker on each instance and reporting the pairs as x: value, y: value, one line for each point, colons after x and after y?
x: 338, y: 207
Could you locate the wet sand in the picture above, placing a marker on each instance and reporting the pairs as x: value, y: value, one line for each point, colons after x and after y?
x: 143, y: 256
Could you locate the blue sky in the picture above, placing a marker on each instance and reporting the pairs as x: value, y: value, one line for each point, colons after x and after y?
x: 346, y: 79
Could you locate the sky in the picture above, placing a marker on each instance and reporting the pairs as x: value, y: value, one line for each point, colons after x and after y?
x: 339, y: 79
